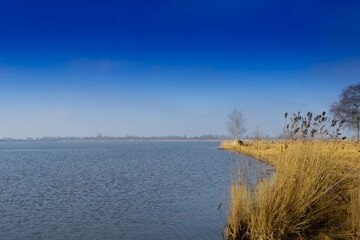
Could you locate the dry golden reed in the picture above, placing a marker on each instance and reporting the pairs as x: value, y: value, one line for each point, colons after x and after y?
x: 314, y: 192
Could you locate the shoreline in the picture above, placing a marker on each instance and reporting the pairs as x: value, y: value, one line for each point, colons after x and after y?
x: 143, y: 140
x: 246, y: 154
x: 150, y: 140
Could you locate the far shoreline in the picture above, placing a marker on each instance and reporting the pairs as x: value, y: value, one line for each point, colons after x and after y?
x: 142, y: 140
x: 150, y: 140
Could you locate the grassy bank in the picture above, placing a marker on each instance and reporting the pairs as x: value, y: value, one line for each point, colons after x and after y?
x: 313, y: 194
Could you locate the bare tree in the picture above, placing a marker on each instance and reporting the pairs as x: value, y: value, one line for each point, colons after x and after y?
x: 348, y: 108
x: 236, y: 124
x: 257, y: 133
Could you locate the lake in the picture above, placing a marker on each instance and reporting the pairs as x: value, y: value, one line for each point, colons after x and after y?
x: 113, y: 190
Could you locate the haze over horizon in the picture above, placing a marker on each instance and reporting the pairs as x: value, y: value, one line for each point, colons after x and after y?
x: 79, y: 68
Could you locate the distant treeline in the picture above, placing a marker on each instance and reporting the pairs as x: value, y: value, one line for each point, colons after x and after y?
x: 109, y: 138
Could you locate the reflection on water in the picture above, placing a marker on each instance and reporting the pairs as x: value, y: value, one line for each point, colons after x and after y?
x: 112, y: 190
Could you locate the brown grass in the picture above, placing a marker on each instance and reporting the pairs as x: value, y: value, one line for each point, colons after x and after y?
x: 313, y: 194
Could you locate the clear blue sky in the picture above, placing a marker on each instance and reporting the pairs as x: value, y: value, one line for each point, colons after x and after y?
x: 79, y: 68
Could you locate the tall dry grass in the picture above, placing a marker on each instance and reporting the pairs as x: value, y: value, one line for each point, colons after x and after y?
x: 314, y: 192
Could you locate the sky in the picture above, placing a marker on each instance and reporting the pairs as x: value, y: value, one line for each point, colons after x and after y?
x: 157, y: 68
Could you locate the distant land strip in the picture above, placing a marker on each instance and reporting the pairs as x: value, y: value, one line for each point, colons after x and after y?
x: 126, y: 138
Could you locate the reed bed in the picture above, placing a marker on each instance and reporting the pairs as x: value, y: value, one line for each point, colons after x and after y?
x: 314, y: 192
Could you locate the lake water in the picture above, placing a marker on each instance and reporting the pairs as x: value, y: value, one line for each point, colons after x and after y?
x: 113, y: 190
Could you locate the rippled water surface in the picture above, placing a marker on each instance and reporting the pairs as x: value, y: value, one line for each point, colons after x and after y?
x: 112, y: 190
